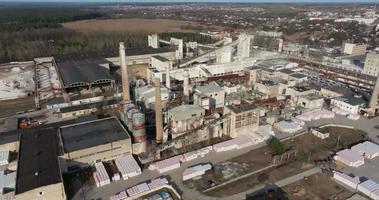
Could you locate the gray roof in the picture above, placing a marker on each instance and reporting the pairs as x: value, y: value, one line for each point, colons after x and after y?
x: 184, y: 112
x: 352, y: 100
x: 298, y: 75
x: 93, y: 133
x: 83, y: 72
x: 241, y: 108
x: 163, y: 59
x: 210, y: 88
x: 286, y: 71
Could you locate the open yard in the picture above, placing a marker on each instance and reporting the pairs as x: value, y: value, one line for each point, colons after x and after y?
x: 316, y: 187
x: 135, y: 24
x: 308, y: 147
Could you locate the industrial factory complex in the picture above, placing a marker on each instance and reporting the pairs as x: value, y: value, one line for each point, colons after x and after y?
x: 151, y: 123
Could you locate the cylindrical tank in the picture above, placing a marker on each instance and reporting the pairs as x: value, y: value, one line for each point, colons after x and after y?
x: 139, y: 131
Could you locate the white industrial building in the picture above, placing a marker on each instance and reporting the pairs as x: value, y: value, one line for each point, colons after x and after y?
x: 210, y: 97
x: 310, y: 101
x: 351, y: 181
x: 371, y: 66
x: 185, y: 118
x: 354, y: 49
x: 350, y: 158
x: 367, y: 149
x: 351, y: 104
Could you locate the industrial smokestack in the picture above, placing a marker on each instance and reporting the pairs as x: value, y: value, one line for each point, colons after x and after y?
x: 168, y: 79
x: 124, y: 73
x: 374, y: 98
x: 158, y: 111
x: 186, y: 85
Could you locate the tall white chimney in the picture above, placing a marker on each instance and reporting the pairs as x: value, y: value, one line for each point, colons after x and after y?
x: 168, y: 79
x: 124, y: 73
x: 158, y: 111
x: 186, y: 85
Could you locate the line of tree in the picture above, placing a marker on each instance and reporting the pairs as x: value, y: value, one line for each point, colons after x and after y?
x: 12, y: 20
x: 26, y: 45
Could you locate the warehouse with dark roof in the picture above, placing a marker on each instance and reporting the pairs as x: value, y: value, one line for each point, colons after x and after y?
x: 38, y: 172
x: 83, y: 144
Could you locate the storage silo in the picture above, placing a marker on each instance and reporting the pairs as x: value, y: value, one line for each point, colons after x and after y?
x: 139, y: 130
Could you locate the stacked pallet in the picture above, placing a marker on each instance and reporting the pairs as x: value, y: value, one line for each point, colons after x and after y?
x: 158, y: 182
x: 167, y: 165
x: 225, y: 146
x: 240, y: 142
x: 316, y: 115
x: 195, y: 171
x: 116, y: 177
x: 351, y: 181
x: 137, y: 189
x: 195, y: 154
x: 100, y: 175
x: 120, y: 196
x: 369, y: 188
x: 128, y: 166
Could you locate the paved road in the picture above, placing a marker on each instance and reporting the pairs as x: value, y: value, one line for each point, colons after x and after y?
x: 367, y: 125
x: 281, y: 183
x: 175, y: 176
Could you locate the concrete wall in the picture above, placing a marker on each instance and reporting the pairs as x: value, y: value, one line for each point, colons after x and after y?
x: 102, y: 152
x: 49, y: 192
x: 12, y: 146
x: 241, y: 120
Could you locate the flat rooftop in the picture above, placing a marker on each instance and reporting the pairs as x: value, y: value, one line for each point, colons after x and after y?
x: 90, y: 134
x: 38, y: 160
x: 160, y: 58
x: 241, y: 108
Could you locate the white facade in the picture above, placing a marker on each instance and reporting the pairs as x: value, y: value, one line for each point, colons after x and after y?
x: 371, y: 66
x: 354, y: 49
x: 343, y: 103
x: 214, y: 92
x: 367, y: 149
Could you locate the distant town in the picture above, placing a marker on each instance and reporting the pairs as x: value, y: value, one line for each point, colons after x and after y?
x: 188, y: 101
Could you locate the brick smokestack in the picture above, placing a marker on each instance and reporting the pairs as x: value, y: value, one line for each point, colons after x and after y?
x: 158, y: 111
x: 124, y: 73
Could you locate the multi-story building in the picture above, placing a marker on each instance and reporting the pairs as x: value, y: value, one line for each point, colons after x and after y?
x: 354, y: 49
x: 371, y: 66
x: 242, y: 117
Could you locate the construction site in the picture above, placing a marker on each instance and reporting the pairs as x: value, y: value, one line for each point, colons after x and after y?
x: 198, y: 116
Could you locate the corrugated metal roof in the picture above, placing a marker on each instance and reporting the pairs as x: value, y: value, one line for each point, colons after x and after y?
x: 366, y: 147
x: 350, y: 155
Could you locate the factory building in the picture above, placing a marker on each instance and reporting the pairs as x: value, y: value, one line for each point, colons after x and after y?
x: 83, y: 144
x: 354, y: 49
x: 351, y: 104
x: 269, y: 88
x: 310, y: 101
x: 211, y: 97
x: 371, y: 66
x: 185, y: 118
x: 243, y: 117
x: 145, y: 95
x: 38, y: 172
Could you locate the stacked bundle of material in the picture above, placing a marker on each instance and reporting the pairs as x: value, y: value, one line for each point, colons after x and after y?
x: 340, y: 111
x: 128, y: 166
x: 351, y: 181
x: 367, y: 149
x: 167, y: 165
x: 350, y: 158
x: 100, y: 175
x: 158, y: 182
x: 287, y: 126
x: 353, y: 116
x: 7, y: 196
x: 369, y: 188
x: 225, y: 146
x: 244, y: 140
x: 315, y: 115
x: 138, y: 189
x: 195, y: 171
x: 116, y: 177
x: 195, y: 154
x: 120, y: 196
x: 4, y: 157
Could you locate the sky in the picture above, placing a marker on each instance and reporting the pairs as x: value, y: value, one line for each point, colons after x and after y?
x: 224, y: 1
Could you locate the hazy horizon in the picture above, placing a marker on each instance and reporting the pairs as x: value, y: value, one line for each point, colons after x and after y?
x: 196, y: 1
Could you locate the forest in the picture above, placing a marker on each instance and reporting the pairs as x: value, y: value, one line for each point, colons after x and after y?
x: 29, y: 33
